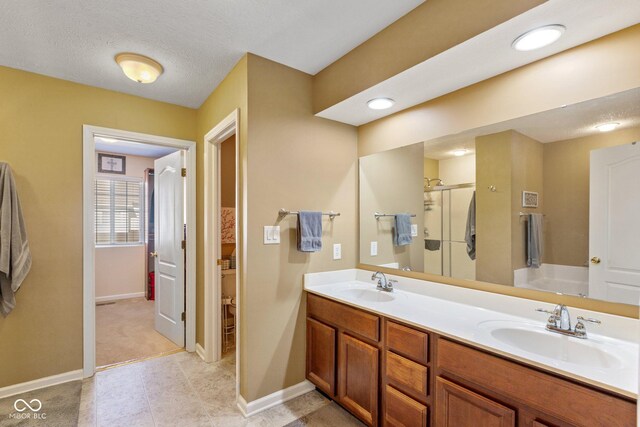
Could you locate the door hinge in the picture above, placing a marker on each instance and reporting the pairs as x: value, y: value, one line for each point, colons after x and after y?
x: 184, y: 171
x: 184, y: 244
x: 184, y: 316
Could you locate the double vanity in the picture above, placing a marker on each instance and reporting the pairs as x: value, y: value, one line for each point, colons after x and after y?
x: 426, y: 354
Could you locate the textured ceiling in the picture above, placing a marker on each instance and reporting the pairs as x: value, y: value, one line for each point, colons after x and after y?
x: 489, y: 54
x: 572, y: 121
x: 197, y: 41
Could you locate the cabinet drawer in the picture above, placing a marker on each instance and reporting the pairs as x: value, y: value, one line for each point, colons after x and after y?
x: 403, y: 411
x: 407, y: 375
x: 408, y: 342
x: 345, y: 317
x: 546, y: 393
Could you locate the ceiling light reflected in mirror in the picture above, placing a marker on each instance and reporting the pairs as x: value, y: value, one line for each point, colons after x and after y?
x: 538, y: 38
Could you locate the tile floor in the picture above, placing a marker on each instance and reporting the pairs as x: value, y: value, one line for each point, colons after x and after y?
x: 176, y: 390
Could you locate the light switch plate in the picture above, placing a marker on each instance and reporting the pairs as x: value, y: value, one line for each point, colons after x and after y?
x: 414, y: 230
x: 271, y: 235
x: 337, y: 251
x: 374, y: 248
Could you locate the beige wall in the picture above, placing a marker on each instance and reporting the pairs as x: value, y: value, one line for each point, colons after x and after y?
x: 572, y: 76
x: 295, y: 161
x: 392, y: 182
x: 121, y: 270
x: 428, y: 30
x: 512, y: 162
x: 431, y: 168
x: 566, y: 194
x: 41, y: 138
x: 493, y: 209
x: 526, y: 174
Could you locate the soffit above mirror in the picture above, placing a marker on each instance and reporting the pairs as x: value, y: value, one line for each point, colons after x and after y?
x: 488, y: 55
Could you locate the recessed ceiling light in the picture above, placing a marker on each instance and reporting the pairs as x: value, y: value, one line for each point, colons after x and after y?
x: 380, y: 103
x: 607, y: 127
x: 540, y: 37
x: 139, y: 68
x: 459, y: 153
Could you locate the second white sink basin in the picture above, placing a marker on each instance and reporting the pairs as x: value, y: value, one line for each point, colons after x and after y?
x: 537, y: 340
x: 370, y: 295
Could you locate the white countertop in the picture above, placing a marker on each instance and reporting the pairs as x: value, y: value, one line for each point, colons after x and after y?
x: 466, y: 314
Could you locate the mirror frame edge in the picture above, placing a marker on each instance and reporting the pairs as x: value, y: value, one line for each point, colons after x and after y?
x: 618, y: 309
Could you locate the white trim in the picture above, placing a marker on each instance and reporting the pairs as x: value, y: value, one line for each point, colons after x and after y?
x: 251, y: 408
x: 12, y: 390
x: 212, y: 288
x: 200, y: 351
x: 108, y: 298
x: 88, y: 259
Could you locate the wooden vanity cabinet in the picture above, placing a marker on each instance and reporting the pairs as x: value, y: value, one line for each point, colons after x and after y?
x: 343, y: 355
x: 389, y: 373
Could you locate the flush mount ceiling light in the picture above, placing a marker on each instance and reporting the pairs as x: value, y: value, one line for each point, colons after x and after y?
x: 540, y: 37
x: 139, y: 68
x: 459, y: 153
x: 380, y: 103
x: 607, y: 127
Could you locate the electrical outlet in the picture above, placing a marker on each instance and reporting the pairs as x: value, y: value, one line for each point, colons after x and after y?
x: 337, y: 251
x: 271, y: 235
x: 374, y: 248
x: 414, y: 230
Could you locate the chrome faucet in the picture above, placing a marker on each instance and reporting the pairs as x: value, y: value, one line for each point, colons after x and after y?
x: 560, y: 322
x: 384, y: 284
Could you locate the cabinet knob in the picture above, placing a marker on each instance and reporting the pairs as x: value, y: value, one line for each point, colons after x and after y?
x: 595, y: 260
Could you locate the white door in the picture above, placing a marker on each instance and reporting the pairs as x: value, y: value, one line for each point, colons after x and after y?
x: 169, y: 260
x: 614, y: 224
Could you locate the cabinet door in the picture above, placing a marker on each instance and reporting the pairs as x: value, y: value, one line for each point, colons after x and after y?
x: 321, y: 356
x: 358, y: 378
x: 458, y: 407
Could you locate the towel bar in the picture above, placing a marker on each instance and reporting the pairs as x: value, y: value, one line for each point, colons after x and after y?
x: 285, y: 212
x: 379, y: 215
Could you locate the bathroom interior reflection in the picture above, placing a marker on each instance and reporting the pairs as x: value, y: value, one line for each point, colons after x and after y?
x: 535, y: 202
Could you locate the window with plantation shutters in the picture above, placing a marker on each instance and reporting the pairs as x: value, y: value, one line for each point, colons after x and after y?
x: 119, y: 211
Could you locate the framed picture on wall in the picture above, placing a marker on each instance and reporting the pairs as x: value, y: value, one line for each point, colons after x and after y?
x: 529, y: 199
x: 111, y: 163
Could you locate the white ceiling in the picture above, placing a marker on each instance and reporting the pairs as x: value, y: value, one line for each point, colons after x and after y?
x: 572, y: 121
x: 198, y: 42
x: 489, y: 54
x: 119, y: 146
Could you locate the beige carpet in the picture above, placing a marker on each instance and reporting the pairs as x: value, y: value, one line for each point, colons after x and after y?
x: 125, y: 331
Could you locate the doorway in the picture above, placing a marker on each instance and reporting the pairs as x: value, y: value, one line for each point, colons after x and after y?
x: 223, y: 248
x: 139, y: 246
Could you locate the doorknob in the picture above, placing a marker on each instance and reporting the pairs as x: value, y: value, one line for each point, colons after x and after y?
x: 154, y: 254
x: 595, y: 260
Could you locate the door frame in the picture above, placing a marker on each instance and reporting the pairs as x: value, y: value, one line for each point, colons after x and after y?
x: 88, y: 230
x: 212, y: 350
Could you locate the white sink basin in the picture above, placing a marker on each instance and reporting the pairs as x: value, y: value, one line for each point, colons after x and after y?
x: 537, y: 340
x: 370, y: 295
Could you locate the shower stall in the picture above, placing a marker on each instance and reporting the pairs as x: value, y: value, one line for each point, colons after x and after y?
x: 445, y: 223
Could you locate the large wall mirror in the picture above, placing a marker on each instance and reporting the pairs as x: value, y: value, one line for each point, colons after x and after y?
x: 549, y: 202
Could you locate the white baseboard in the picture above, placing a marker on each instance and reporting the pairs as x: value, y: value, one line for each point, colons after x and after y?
x: 273, y: 399
x: 109, y: 298
x: 12, y: 390
x: 200, y: 351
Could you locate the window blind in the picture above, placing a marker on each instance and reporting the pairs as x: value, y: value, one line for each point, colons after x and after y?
x: 118, y: 211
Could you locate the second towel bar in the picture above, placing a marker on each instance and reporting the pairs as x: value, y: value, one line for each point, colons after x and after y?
x: 285, y: 212
x: 379, y: 215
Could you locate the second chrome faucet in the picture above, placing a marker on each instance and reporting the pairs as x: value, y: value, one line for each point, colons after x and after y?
x: 560, y: 321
